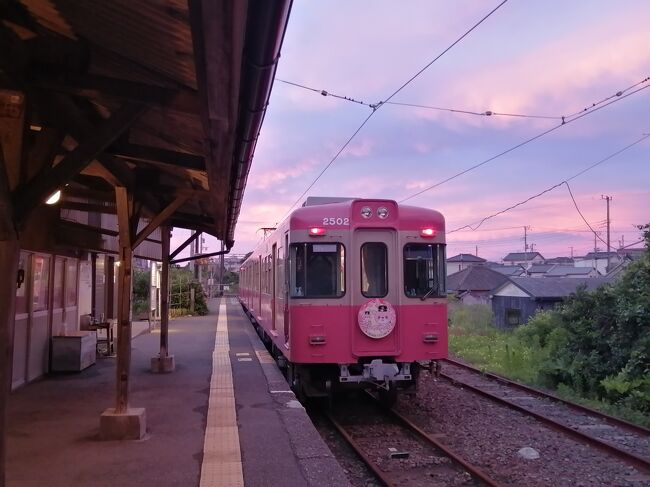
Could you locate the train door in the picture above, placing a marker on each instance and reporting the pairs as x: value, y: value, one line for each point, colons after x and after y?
x: 260, y: 275
x: 274, y: 251
x: 375, y: 292
x: 286, y: 289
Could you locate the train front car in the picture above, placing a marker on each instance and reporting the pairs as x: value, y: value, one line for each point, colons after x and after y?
x: 365, y: 295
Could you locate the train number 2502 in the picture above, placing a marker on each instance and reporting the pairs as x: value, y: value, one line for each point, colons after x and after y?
x: 336, y: 221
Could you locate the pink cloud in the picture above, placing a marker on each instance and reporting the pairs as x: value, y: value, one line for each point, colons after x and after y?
x: 603, y: 58
x: 359, y: 148
x: 276, y: 177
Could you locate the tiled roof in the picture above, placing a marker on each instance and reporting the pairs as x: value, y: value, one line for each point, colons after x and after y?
x: 560, y: 260
x: 475, y: 278
x: 599, y: 255
x: 566, y: 270
x: 556, y: 287
x: 508, y: 270
x: 540, y: 268
x: 465, y: 258
x: 525, y: 256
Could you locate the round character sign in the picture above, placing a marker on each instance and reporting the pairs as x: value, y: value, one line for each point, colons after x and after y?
x: 377, y: 318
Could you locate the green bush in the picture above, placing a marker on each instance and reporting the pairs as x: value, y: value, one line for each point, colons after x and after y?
x: 181, y: 282
x: 595, y: 346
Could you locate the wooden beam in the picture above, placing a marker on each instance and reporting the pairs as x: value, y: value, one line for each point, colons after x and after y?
x: 180, y: 248
x: 99, y: 171
x: 124, y: 280
x: 159, y: 219
x: 9, y: 255
x: 35, y: 192
x: 156, y: 155
x: 97, y: 87
x: 81, y: 127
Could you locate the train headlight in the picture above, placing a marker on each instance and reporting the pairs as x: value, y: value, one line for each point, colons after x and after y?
x: 382, y: 212
x: 366, y: 212
x: 428, y: 232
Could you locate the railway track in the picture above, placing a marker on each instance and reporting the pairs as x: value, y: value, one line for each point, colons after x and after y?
x: 626, y: 441
x: 400, y: 453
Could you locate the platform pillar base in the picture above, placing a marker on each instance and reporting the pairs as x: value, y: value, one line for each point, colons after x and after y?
x: 130, y: 425
x: 161, y: 365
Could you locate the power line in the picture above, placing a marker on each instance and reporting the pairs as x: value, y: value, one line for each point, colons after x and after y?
x: 617, y: 94
x: 486, y: 113
x: 551, y: 188
x: 521, y: 144
x: 327, y: 93
x: 378, y: 105
x: 580, y: 213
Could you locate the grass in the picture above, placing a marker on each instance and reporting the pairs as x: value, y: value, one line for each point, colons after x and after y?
x: 473, y: 338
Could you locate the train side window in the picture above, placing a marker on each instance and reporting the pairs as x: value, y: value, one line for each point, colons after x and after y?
x: 317, y: 270
x: 374, y: 270
x: 424, y: 270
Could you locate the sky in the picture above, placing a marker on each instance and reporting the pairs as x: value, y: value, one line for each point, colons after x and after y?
x: 540, y: 59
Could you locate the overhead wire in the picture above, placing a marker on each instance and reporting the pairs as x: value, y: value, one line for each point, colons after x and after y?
x: 381, y: 103
x: 580, y: 213
x: 484, y: 113
x: 476, y: 226
x: 521, y: 144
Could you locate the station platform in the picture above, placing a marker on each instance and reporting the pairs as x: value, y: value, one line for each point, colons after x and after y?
x: 224, y: 417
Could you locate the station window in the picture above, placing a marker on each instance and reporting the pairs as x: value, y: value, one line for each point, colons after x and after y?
x: 374, y: 270
x: 424, y: 270
x: 317, y: 270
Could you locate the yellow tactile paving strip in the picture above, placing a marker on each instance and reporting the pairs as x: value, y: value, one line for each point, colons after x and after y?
x: 221, y: 465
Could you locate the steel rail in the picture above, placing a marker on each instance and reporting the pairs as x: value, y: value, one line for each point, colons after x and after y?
x: 635, y: 460
x: 471, y: 469
x: 635, y: 428
x: 359, y: 451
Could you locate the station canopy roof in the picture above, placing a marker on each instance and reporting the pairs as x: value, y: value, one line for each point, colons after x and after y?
x: 165, y: 98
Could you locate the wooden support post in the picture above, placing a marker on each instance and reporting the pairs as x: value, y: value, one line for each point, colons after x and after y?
x: 164, y: 293
x: 123, y: 300
x: 123, y: 422
x: 164, y: 362
x: 9, y: 255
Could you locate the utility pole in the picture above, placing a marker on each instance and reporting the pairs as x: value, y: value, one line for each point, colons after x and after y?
x: 476, y: 251
x: 221, y: 271
x: 607, y: 199
x: 526, y: 230
x: 571, y: 251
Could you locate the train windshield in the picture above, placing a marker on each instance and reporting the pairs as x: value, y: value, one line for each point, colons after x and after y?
x: 374, y: 270
x: 424, y: 270
x: 317, y: 270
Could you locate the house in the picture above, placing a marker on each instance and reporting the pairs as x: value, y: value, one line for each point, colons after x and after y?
x: 508, y: 270
x: 627, y: 257
x: 523, y: 258
x: 570, y: 271
x: 633, y: 253
x: 475, y: 284
x: 462, y: 261
x: 515, y: 301
x: 539, y: 270
x: 560, y: 260
x: 599, y: 261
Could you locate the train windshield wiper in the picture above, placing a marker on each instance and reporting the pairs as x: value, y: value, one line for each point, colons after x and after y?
x: 428, y: 293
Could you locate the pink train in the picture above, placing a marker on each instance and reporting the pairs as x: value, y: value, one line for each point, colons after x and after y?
x: 351, y: 291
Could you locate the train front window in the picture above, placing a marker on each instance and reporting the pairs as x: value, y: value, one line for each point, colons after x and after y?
x: 317, y: 270
x: 424, y: 270
x: 374, y: 270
